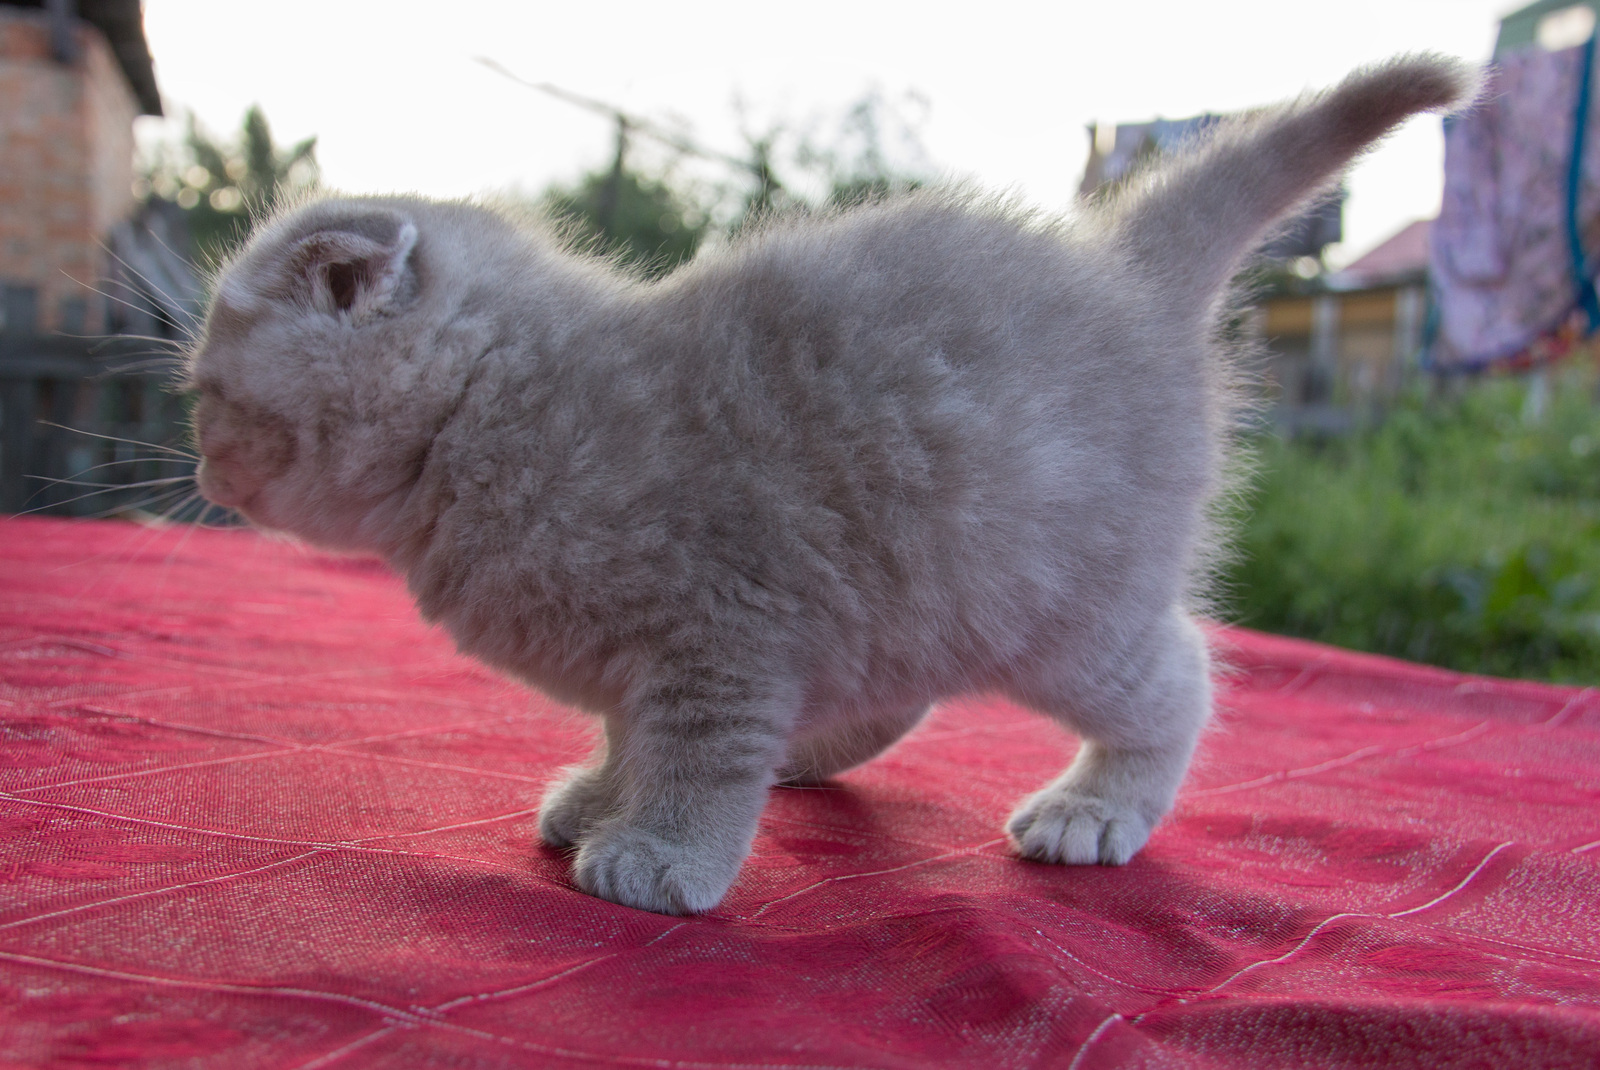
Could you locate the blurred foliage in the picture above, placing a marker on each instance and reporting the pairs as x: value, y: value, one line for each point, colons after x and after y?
x: 642, y: 221
x: 223, y: 186
x: 652, y: 221
x: 856, y: 161
x: 1459, y: 532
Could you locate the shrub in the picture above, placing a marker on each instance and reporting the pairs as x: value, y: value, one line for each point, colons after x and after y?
x: 1456, y: 532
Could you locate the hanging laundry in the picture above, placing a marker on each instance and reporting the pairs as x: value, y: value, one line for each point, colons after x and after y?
x: 1502, y: 263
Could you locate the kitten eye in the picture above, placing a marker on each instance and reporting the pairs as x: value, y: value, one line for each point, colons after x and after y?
x: 342, y: 284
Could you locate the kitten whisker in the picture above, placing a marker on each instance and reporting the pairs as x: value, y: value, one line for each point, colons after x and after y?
x: 169, y: 515
x: 187, y: 455
x: 102, y: 339
x: 189, y: 329
x: 70, y: 482
x: 113, y: 464
x: 176, y: 344
x: 175, y: 302
x: 226, y: 518
x: 94, y: 493
x: 175, y: 362
x: 108, y: 296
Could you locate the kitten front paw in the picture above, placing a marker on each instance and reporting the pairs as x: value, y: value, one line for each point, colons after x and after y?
x: 639, y: 869
x: 573, y: 806
x: 1077, y: 830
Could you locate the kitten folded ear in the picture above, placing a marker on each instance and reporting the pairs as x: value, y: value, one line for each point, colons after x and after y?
x: 355, y: 266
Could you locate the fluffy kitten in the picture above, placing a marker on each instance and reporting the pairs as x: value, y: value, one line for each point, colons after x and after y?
x: 760, y: 514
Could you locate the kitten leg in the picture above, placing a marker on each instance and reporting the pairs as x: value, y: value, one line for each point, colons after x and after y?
x: 582, y: 797
x: 692, y: 774
x: 814, y: 758
x: 1139, y: 723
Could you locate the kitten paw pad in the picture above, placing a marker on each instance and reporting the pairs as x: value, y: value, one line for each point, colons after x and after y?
x: 572, y: 807
x: 1077, y: 830
x: 638, y: 869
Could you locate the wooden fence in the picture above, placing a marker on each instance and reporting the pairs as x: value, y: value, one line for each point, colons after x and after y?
x: 84, y: 423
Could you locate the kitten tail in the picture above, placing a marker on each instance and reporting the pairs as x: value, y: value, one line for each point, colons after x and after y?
x: 1193, y: 219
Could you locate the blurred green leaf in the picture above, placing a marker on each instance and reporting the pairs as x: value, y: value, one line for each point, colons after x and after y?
x: 245, y: 179
x: 1454, y: 533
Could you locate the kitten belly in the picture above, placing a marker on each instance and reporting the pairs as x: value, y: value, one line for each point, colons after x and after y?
x: 831, y: 745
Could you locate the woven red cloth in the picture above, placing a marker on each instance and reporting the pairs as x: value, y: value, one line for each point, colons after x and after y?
x: 254, y: 813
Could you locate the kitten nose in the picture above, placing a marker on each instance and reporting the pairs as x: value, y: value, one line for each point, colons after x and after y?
x: 220, y: 486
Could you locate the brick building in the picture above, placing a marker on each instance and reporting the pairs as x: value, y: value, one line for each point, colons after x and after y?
x: 73, y: 77
x: 81, y: 258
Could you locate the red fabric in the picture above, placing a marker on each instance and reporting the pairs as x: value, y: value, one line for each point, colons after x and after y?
x: 254, y: 814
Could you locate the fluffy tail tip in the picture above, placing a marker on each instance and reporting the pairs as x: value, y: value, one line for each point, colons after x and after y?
x: 1424, y: 81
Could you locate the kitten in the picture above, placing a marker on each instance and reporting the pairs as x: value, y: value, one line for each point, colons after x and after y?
x: 760, y: 514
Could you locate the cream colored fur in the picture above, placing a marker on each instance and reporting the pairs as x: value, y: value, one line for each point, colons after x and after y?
x: 759, y: 515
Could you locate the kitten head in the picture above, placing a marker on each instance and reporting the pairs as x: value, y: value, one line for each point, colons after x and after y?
x: 321, y: 376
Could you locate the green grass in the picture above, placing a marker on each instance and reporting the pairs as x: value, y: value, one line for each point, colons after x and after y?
x: 1456, y: 532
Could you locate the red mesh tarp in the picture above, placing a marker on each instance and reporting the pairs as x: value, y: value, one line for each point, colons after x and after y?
x: 253, y: 813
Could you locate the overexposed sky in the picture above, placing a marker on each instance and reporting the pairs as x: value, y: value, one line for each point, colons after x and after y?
x: 397, y: 103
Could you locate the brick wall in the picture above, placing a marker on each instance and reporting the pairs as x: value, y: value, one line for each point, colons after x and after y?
x: 66, y: 172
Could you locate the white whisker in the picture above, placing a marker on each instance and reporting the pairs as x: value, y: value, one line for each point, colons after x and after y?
x: 107, y: 512
x: 110, y: 296
x: 172, y: 362
x: 113, y: 464
x: 171, y: 299
x: 102, y: 339
x: 164, y: 481
x: 130, y: 441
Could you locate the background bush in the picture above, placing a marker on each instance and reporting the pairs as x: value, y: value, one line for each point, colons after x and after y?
x: 1462, y: 531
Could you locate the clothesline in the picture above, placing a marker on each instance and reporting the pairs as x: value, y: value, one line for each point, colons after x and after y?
x: 1509, y: 271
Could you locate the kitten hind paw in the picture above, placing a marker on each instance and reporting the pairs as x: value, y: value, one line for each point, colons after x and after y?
x: 639, y: 869
x: 1077, y: 830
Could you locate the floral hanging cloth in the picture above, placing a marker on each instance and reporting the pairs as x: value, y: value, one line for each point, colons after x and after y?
x: 1511, y: 283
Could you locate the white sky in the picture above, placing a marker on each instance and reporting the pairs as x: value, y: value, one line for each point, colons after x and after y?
x: 397, y: 103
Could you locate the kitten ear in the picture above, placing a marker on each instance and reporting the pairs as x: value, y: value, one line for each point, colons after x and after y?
x: 355, y: 266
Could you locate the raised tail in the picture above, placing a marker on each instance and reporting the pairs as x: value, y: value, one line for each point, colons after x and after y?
x: 1194, y: 217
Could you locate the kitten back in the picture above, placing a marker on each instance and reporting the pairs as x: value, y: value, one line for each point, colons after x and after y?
x: 1193, y: 219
